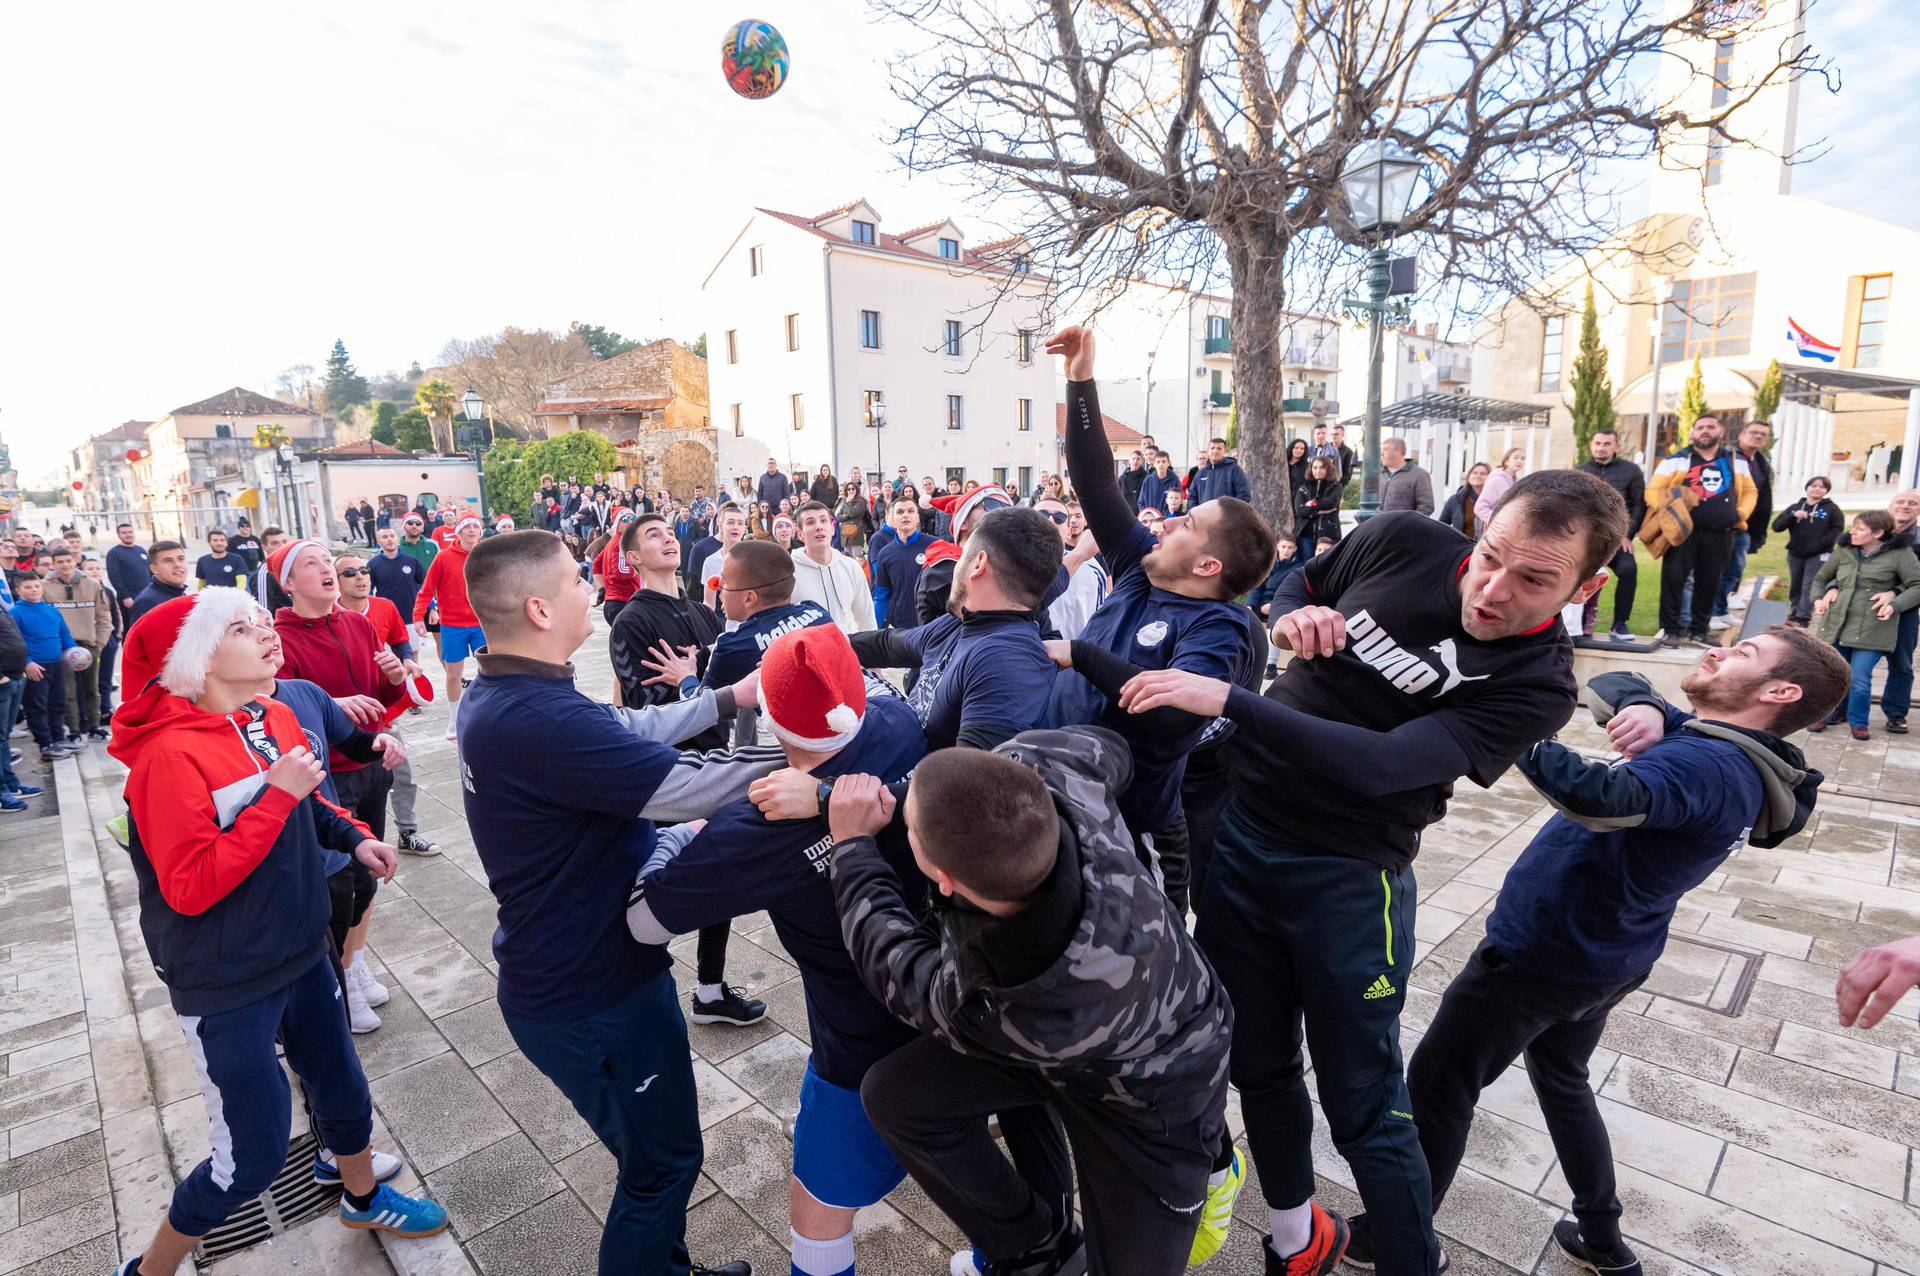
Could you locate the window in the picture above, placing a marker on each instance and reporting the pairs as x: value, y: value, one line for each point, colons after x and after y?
x: 1708, y: 317
x: 1876, y: 291
x: 1022, y: 264
x: 224, y: 430
x: 874, y: 408
x: 793, y: 332
x: 956, y: 474
x: 1216, y: 326
x: 1000, y: 476
x: 1023, y: 342
x: 862, y: 232
x: 1026, y: 416
x: 734, y: 410
x: 953, y: 337
x: 733, y: 345
x: 1552, y: 337
x: 950, y: 249
x: 870, y: 329
x: 756, y: 259
x: 799, y: 412
x: 1026, y: 480
x: 955, y: 412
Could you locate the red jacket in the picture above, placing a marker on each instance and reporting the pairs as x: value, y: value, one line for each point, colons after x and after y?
x: 385, y: 618
x: 620, y: 584
x: 336, y: 653
x: 447, y: 581
x: 233, y: 904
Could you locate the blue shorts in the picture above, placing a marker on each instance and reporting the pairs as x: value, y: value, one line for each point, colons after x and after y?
x: 457, y: 642
x: 838, y: 1157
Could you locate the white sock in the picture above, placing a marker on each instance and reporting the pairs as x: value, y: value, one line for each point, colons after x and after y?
x: 1292, y: 1229
x: 1216, y: 1178
x: 710, y: 992
x: 822, y: 1258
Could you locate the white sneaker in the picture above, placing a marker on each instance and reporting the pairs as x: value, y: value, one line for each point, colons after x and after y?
x: 372, y: 989
x: 360, y: 1016
x: 963, y: 1264
x: 1719, y: 624
x: 450, y: 735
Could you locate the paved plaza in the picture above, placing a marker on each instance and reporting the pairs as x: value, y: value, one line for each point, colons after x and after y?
x: 1754, y: 1136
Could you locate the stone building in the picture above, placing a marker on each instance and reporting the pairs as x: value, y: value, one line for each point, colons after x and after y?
x: 199, y: 457
x: 651, y: 403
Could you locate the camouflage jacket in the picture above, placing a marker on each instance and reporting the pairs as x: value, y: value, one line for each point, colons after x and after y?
x: 1130, y: 1012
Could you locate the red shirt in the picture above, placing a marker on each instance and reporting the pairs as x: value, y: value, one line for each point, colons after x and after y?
x: 621, y: 586
x: 336, y: 652
x: 442, y: 536
x: 385, y: 618
x: 446, y: 582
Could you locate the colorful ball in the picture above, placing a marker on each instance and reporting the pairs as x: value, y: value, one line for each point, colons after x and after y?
x: 754, y: 59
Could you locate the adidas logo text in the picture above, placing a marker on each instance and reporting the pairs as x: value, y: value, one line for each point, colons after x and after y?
x: 1379, y: 988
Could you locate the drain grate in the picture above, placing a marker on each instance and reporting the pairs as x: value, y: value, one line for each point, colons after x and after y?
x: 292, y: 1199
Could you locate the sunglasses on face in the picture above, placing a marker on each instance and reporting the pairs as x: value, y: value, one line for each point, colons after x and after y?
x: 1056, y: 515
x: 348, y: 573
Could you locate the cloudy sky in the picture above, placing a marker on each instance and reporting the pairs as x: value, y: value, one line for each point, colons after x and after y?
x: 199, y: 195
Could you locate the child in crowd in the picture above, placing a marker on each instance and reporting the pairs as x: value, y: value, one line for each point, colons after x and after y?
x: 48, y: 640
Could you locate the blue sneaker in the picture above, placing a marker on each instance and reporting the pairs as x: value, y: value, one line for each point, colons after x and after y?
x: 11, y: 805
x: 408, y: 1217
x: 386, y: 1168
x: 126, y: 1267
x: 26, y: 790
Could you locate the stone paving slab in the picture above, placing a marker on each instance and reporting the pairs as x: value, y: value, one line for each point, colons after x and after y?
x: 1757, y: 1143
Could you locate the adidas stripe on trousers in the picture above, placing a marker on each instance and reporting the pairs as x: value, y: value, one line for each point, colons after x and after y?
x: 1317, y: 948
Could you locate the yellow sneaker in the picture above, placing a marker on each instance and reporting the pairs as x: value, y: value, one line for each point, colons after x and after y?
x: 1217, y: 1213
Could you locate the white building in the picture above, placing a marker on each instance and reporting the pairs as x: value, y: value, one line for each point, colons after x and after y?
x: 1732, y: 268
x: 1166, y: 358
x: 831, y: 341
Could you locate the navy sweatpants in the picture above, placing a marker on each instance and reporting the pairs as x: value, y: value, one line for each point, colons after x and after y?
x: 1320, y: 946
x: 628, y: 1072
x: 248, y: 1100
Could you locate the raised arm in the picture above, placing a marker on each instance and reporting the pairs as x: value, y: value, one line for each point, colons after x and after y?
x: 1089, y: 455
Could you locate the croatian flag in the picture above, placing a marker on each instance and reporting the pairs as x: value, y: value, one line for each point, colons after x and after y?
x: 1808, y: 345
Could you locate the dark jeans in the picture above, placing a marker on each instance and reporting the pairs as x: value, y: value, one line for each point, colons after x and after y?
x: 628, y: 1072
x: 108, y: 655
x: 1698, y: 561
x: 1859, y: 702
x: 1801, y: 569
x: 1317, y: 948
x: 1142, y: 1175
x: 1896, y: 697
x: 83, y: 698
x: 349, y: 894
x: 363, y: 795
x: 12, y: 692
x: 1164, y: 851
x: 1626, y: 582
x: 710, y: 954
x: 1492, y: 1013
x: 46, y: 702
x: 611, y: 610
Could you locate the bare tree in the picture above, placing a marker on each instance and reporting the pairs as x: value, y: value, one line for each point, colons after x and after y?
x: 1183, y: 140
x: 512, y: 370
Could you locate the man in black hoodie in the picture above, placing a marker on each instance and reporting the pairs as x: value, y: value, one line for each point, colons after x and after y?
x: 1057, y: 975
x: 167, y: 579
x: 1624, y: 477
x: 1584, y: 911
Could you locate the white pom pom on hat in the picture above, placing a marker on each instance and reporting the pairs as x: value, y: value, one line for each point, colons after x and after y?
x: 813, y: 690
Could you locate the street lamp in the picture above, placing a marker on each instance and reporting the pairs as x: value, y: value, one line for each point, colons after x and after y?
x: 1378, y: 181
x: 475, y: 436
x: 287, y: 457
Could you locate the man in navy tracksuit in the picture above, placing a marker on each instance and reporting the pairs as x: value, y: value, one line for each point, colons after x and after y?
x: 1220, y: 476
x: 227, y: 833
x: 818, y: 704
x: 1583, y: 913
x: 396, y: 576
x: 897, y: 566
x: 758, y: 583
x: 561, y: 792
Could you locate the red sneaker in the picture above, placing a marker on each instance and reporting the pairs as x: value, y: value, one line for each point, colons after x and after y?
x: 1325, y: 1244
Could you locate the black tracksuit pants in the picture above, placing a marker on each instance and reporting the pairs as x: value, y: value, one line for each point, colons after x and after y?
x: 1317, y: 947
x: 363, y: 795
x: 1702, y: 556
x: 1204, y: 792
x: 1142, y: 1174
x: 1493, y: 1013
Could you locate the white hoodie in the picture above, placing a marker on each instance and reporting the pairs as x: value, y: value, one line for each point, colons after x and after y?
x: 840, y: 587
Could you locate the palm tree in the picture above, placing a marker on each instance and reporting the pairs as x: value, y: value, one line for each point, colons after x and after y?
x: 437, y: 400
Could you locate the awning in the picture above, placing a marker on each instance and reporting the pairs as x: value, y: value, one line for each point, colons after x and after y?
x: 247, y: 498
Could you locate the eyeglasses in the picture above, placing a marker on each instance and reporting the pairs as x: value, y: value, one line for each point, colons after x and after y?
x: 743, y: 589
x: 348, y: 573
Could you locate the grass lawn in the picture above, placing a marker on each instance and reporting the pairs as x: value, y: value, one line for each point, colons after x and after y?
x: 1771, y: 560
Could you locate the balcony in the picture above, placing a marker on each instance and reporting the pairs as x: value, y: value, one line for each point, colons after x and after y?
x: 1220, y: 345
x: 1306, y: 357
x: 1296, y: 405
x: 1221, y: 399
x: 1458, y: 373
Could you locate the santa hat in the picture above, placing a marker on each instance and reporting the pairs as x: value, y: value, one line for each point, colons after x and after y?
x: 1148, y: 509
x: 175, y: 641
x: 963, y: 507
x: 282, y: 561
x: 419, y: 689
x: 779, y: 519
x: 504, y: 523
x: 414, y: 520
x: 470, y: 518
x: 812, y: 690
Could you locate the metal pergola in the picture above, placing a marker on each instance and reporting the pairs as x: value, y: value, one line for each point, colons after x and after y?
x: 1810, y: 398
x: 1447, y: 433
x: 1465, y: 410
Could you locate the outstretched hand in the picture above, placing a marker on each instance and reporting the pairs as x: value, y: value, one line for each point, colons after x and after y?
x: 1075, y: 345
x: 1175, y: 689
x: 1875, y: 979
x: 671, y: 668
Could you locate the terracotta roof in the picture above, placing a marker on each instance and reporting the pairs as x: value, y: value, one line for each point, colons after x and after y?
x: 566, y: 407
x: 125, y: 432
x: 366, y: 447
x: 239, y: 402
x: 921, y: 230
x: 896, y: 244
x: 1117, y: 434
x: 837, y: 209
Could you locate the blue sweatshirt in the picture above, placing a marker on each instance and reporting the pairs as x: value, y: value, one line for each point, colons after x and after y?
x: 45, y: 630
x: 1154, y: 489
x: 896, y: 573
x: 397, y: 580
x: 737, y: 652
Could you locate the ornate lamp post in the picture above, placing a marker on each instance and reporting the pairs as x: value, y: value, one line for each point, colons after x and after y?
x: 1378, y: 181
x: 474, y: 438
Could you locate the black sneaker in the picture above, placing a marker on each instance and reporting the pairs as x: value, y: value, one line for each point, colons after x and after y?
x: 733, y: 1007
x: 99, y: 733
x: 1618, y: 1262
x: 1062, y: 1254
x: 1896, y: 726
x: 411, y: 843
x: 1698, y: 639
x: 1360, y: 1246
x: 1669, y: 641
x: 1620, y: 633
x: 738, y: 1267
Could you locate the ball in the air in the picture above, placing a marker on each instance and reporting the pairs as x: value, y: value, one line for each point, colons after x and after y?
x: 76, y: 658
x: 754, y: 59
